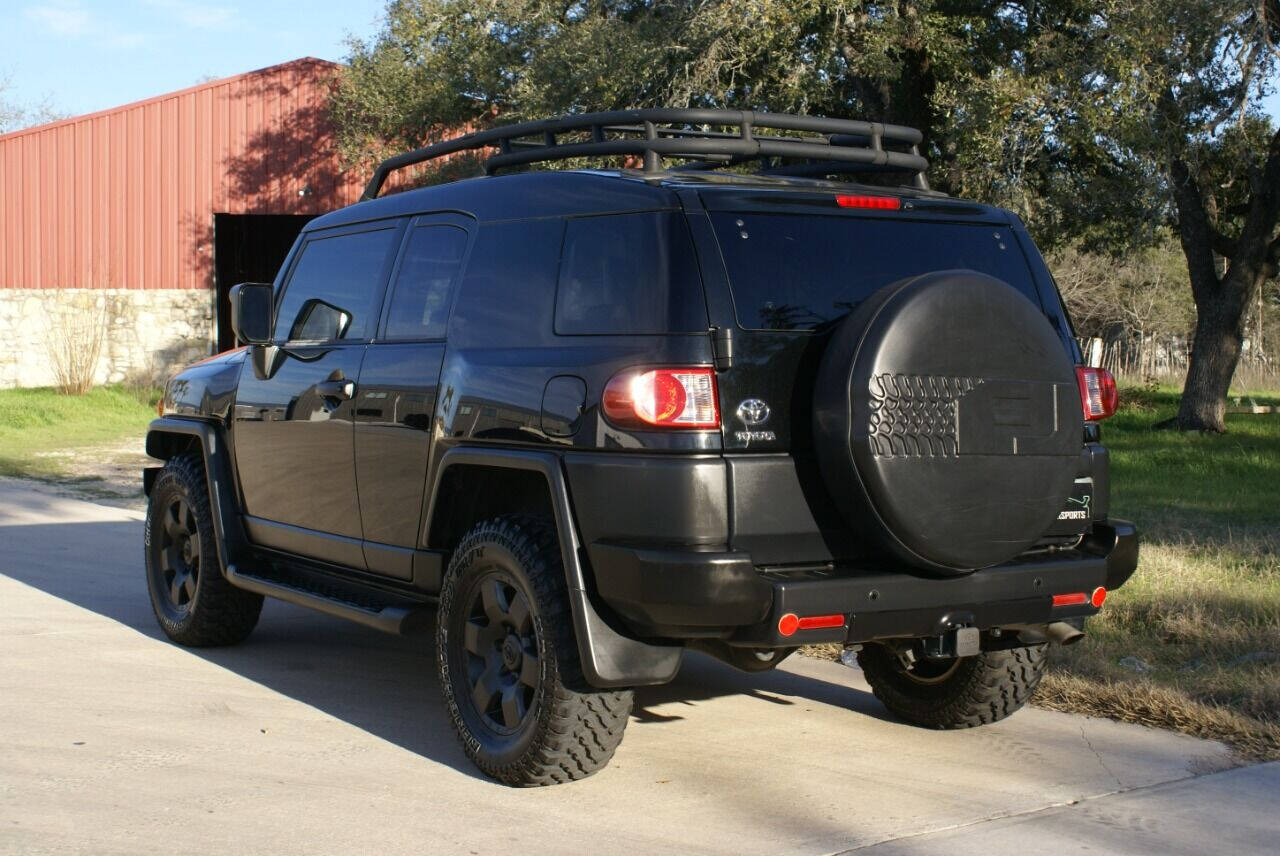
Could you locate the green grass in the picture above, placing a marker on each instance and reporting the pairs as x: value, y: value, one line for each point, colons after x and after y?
x: 1202, y: 612
x: 36, y: 421
x: 1173, y: 482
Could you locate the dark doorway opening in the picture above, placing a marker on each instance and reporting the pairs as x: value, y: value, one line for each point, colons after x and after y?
x: 248, y: 248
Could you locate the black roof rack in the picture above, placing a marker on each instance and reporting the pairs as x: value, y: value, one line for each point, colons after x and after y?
x: 833, y: 146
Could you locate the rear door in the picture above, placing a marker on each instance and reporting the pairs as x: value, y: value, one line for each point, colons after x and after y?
x: 782, y: 268
x: 793, y: 269
x: 293, y: 421
x: 395, y: 404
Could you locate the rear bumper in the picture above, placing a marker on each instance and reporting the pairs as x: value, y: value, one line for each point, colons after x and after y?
x: 723, y: 594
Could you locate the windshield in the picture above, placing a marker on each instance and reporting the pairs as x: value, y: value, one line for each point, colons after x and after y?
x: 798, y: 272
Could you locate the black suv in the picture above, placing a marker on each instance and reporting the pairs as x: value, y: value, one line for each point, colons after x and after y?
x: 590, y: 418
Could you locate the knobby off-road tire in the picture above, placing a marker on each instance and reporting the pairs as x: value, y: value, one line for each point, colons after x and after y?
x: 961, y: 693
x: 508, y: 662
x: 192, y: 601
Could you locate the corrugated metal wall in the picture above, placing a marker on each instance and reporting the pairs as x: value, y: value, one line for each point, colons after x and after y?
x: 125, y: 198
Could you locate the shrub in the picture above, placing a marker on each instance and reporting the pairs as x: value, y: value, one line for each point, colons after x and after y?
x: 76, y: 334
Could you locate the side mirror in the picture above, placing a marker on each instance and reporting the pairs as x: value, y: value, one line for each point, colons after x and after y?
x: 252, y: 308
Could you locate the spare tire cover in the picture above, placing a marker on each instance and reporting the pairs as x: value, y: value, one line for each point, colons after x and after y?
x: 947, y: 421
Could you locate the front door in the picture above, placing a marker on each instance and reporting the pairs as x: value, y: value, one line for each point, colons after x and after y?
x: 293, y: 417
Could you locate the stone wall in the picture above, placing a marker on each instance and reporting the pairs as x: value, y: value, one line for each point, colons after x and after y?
x: 145, y: 334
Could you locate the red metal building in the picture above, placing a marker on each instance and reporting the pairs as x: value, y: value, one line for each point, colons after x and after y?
x: 195, y: 190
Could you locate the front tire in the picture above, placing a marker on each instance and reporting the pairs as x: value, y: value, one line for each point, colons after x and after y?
x: 508, y: 662
x: 193, y: 603
x: 958, y: 693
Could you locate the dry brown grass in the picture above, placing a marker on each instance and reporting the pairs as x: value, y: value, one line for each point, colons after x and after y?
x: 1145, y: 703
x: 1192, y: 643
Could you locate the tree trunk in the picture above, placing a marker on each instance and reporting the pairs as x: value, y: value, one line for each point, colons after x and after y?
x: 1214, y: 355
x: 1222, y: 300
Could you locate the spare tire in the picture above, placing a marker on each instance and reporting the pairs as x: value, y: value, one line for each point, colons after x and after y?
x: 947, y: 421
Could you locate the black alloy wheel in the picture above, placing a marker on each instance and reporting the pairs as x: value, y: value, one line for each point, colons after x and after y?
x: 178, y: 556
x: 501, y: 646
x: 193, y: 603
x: 508, y: 661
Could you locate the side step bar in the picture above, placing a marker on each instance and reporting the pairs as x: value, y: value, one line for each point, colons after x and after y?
x: 395, y: 619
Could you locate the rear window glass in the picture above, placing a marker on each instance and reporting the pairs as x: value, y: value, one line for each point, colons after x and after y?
x: 793, y: 272
x: 629, y: 273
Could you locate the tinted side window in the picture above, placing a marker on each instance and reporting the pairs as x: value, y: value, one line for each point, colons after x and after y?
x: 629, y: 273
x: 420, y: 299
x: 508, y: 292
x: 333, y: 291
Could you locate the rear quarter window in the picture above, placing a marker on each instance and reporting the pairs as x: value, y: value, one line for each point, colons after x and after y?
x: 629, y: 274
x: 797, y: 272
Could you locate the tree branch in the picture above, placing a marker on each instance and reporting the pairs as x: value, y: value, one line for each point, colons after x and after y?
x: 1194, y: 230
x: 1256, y: 244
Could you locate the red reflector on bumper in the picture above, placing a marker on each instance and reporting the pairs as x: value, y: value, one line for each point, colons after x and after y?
x: 1099, y: 597
x: 821, y: 622
x: 790, y: 623
x: 1074, y: 599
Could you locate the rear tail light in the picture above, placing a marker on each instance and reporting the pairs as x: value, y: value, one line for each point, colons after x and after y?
x: 1098, y: 395
x: 663, y: 398
x: 882, y: 203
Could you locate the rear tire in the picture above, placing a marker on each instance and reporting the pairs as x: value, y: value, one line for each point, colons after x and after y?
x: 508, y: 661
x: 193, y: 603
x: 958, y: 693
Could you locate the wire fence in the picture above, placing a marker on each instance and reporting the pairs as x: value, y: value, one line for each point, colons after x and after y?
x: 1139, y: 360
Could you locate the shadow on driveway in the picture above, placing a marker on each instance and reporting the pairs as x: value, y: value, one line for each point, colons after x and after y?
x: 385, y: 685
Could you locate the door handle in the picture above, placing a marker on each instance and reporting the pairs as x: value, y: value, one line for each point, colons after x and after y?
x: 339, y: 390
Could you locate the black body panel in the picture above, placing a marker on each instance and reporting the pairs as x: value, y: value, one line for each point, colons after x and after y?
x: 295, y: 444
x: 669, y: 501
x: 394, y: 416
x: 207, y: 389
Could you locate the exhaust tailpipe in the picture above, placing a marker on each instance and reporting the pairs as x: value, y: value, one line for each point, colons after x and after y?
x: 1062, y: 633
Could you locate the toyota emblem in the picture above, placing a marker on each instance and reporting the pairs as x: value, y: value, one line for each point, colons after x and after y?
x: 753, y: 411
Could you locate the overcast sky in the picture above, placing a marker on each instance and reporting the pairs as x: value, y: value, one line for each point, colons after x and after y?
x: 86, y: 55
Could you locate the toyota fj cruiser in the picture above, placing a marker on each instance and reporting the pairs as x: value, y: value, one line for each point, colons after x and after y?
x: 720, y: 399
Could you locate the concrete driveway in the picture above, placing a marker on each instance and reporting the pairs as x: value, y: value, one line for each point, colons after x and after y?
x: 317, y: 736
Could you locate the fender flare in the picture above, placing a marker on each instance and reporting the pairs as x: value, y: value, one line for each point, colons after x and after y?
x: 219, y: 476
x: 609, y: 658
